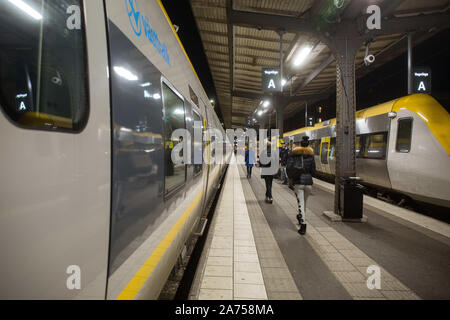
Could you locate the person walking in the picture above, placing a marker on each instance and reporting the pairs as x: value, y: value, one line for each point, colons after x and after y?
x: 284, y: 153
x: 249, y: 161
x: 300, y: 168
x: 268, y: 178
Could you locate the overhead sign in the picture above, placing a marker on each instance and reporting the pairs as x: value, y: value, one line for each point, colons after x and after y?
x: 422, y: 80
x: 271, y: 80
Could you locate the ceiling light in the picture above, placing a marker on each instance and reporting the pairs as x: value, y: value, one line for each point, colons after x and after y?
x: 260, y: 113
x: 266, y: 103
x: 302, y: 55
x: 27, y: 9
x: 283, y: 82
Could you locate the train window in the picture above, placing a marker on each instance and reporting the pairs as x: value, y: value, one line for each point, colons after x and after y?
x: 358, y: 146
x: 198, y: 145
x: 332, y: 148
x: 404, y: 132
x: 174, y: 118
x: 43, y: 64
x: 372, y: 146
x: 324, y: 153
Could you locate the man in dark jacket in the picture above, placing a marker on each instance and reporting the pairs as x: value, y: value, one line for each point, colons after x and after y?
x: 284, y: 154
x: 303, y: 182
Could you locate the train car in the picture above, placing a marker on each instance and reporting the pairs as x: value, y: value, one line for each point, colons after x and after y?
x: 91, y: 205
x: 401, y: 145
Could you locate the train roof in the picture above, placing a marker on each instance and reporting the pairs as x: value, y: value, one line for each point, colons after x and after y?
x: 425, y: 106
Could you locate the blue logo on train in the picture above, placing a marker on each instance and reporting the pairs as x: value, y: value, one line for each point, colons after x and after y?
x: 139, y: 22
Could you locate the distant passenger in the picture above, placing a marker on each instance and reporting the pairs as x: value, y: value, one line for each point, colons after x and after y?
x: 300, y: 168
x: 268, y: 178
x: 249, y: 161
x: 284, y: 153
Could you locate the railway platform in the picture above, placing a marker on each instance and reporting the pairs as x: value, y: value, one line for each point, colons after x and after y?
x: 253, y: 250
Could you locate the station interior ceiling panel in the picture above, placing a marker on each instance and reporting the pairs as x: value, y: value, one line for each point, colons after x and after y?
x: 237, y: 51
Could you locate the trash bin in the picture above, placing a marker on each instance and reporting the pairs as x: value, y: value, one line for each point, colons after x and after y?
x: 351, y: 198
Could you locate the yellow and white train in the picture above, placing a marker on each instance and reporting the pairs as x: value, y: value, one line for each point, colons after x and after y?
x: 91, y: 206
x: 401, y: 145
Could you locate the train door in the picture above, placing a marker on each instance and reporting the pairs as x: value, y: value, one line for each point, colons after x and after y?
x: 55, y: 150
x: 324, y: 155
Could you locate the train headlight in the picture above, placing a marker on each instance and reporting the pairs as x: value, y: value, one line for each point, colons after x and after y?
x: 392, y: 115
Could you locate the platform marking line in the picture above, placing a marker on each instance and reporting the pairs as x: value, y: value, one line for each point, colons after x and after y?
x: 346, y: 261
x: 228, y: 273
x: 280, y: 284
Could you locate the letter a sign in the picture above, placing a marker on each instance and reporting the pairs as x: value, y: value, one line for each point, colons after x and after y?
x: 422, y: 80
x: 271, y: 80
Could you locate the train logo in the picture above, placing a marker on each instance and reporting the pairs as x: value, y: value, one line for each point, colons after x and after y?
x: 135, y: 16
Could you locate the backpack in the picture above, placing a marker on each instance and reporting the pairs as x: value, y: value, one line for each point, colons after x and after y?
x: 295, y: 167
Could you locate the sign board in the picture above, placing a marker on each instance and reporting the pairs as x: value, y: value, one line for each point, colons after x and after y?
x: 310, y: 122
x: 422, y: 80
x: 271, y: 80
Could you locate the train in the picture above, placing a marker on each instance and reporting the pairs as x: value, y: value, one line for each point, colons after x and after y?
x: 91, y: 206
x: 402, y: 146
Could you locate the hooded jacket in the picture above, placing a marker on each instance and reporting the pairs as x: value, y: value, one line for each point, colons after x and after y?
x: 309, y: 164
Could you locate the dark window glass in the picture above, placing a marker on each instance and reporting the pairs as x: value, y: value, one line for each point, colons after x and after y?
x: 332, y: 148
x: 358, y: 146
x: 404, y: 135
x: 43, y: 64
x: 372, y: 146
x: 174, y: 118
x: 324, y: 153
x: 198, y: 145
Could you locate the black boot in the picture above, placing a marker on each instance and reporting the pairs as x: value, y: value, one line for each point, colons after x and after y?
x: 302, y: 230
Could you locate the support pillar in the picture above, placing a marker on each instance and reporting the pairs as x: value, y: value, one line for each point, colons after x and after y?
x: 279, y: 106
x: 346, y: 49
x: 410, y: 63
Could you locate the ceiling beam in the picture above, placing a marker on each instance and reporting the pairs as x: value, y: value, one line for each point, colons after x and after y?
x: 314, y: 73
x: 230, y: 32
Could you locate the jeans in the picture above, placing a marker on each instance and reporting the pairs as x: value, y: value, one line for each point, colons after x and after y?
x: 283, y: 174
x: 302, y: 192
x: 268, y: 181
x: 249, y: 171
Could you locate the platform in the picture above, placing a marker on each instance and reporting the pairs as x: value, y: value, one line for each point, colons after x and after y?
x: 253, y: 250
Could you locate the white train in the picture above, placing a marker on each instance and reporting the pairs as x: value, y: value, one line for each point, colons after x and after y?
x: 401, y: 145
x: 91, y: 206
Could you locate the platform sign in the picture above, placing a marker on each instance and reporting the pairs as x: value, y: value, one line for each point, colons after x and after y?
x: 271, y: 80
x: 422, y: 80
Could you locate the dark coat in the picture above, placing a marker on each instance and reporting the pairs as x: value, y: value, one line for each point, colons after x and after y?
x: 284, y: 154
x: 308, y: 163
x: 269, y: 152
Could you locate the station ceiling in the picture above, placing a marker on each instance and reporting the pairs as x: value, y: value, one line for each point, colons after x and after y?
x: 240, y: 38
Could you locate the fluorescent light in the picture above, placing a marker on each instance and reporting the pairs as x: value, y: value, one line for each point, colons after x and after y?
x: 260, y: 113
x: 301, y: 55
x: 27, y: 9
x: 266, y: 103
x: 125, y: 73
x: 156, y: 96
x: 147, y: 84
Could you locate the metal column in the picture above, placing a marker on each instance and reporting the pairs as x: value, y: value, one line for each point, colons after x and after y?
x: 410, y: 64
x: 346, y: 49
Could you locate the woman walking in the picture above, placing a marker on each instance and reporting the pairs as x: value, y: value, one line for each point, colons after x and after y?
x: 300, y: 168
